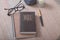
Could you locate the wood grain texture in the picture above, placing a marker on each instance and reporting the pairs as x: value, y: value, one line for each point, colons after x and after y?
x: 51, y: 18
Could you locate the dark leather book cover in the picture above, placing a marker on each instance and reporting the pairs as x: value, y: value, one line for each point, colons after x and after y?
x: 27, y: 22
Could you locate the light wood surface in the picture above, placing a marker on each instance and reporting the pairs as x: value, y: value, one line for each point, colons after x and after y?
x: 51, y: 18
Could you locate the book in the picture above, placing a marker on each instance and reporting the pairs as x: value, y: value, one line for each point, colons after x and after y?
x: 16, y: 25
x: 27, y: 23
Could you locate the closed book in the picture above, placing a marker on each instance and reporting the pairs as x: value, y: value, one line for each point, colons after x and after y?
x: 27, y: 23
